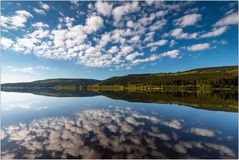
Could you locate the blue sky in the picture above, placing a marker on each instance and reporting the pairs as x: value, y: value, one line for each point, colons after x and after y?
x: 102, y: 39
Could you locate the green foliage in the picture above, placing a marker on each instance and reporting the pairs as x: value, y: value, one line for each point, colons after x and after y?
x: 214, y: 100
x: 210, y: 88
x: 209, y: 78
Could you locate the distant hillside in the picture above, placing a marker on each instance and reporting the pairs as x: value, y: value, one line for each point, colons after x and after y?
x: 49, y: 84
x: 204, y: 78
x: 215, y: 77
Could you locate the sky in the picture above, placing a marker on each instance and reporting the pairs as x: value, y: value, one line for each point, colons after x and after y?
x: 99, y: 39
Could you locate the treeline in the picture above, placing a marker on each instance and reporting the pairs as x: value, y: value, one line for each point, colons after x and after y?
x: 220, y: 100
x: 216, y: 78
x: 215, y: 100
x: 200, y: 79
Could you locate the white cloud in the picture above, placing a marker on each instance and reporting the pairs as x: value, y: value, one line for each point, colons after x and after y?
x: 38, y: 34
x: 120, y: 11
x: 28, y: 70
x: 75, y: 4
x: 39, y: 11
x: 104, y: 8
x: 202, y: 132
x: 172, y: 43
x: 44, y: 6
x: 149, y: 36
x: 18, y: 20
x: 126, y: 49
x: 93, y: 23
x: 132, y: 56
x: 230, y: 19
x: 4, y: 21
x: 124, y: 42
x: 171, y: 54
x: 68, y: 21
x: 59, y: 38
x: 6, y: 42
x: 215, y: 32
x: 149, y: 2
x: 154, y: 57
x: 188, y: 20
x: 25, y: 42
x: 40, y: 25
x: 179, y: 34
x: 113, y: 49
x: 135, y: 39
x: 223, y: 151
x: 199, y: 47
x: 105, y: 38
x: 157, y: 25
x: 130, y: 24
x: 158, y: 43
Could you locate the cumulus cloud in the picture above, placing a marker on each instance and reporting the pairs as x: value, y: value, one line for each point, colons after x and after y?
x: 2, y: 134
x: 179, y: 34
x: 104, y: 8
x: 171, y: 54
x: 6, y: 42
x: 39, y: 11
x: 154, y: 57
x: 230, y: 19
x: 113, y: 49
x: 122, y: 46
x: 135, y: 39
x: 203, y: 132
x: 157, y: 25
x: 40, y: 25
x: 132, y: 56
x: 176, y: 124
x: 25, y: 42
x: 149, y: 37
x: 158, y: 43
x: 93, y: 23
x: 183, y: 147
x: 18, y: 20
x: 67, y: 20
x: 188, y: 20
x: 126, y: 49
x: 130, y: 24
x: 120, y: 11
x: 44, y: 6
x: 199, y: 47
x: 215, y: 32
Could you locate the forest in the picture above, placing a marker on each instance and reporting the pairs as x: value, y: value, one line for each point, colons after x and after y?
x: 201, y: 80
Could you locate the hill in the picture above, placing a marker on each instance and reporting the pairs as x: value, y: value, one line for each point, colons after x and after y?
x: 49, y: 84
x: 197, y: 79
x: 203, y: 78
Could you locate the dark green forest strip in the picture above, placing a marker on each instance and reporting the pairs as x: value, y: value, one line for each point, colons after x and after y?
x: 208, y: 88
x: 225, y: 78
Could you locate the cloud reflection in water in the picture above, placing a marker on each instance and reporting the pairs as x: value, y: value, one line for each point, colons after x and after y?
x: 110, y: 132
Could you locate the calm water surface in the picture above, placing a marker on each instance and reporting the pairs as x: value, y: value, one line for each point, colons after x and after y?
x: 36, y: 126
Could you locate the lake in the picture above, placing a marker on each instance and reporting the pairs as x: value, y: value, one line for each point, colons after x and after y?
x: 96, y: 126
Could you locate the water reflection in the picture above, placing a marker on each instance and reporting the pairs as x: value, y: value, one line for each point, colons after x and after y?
x: 113, y: 132
x: 219, y: 100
